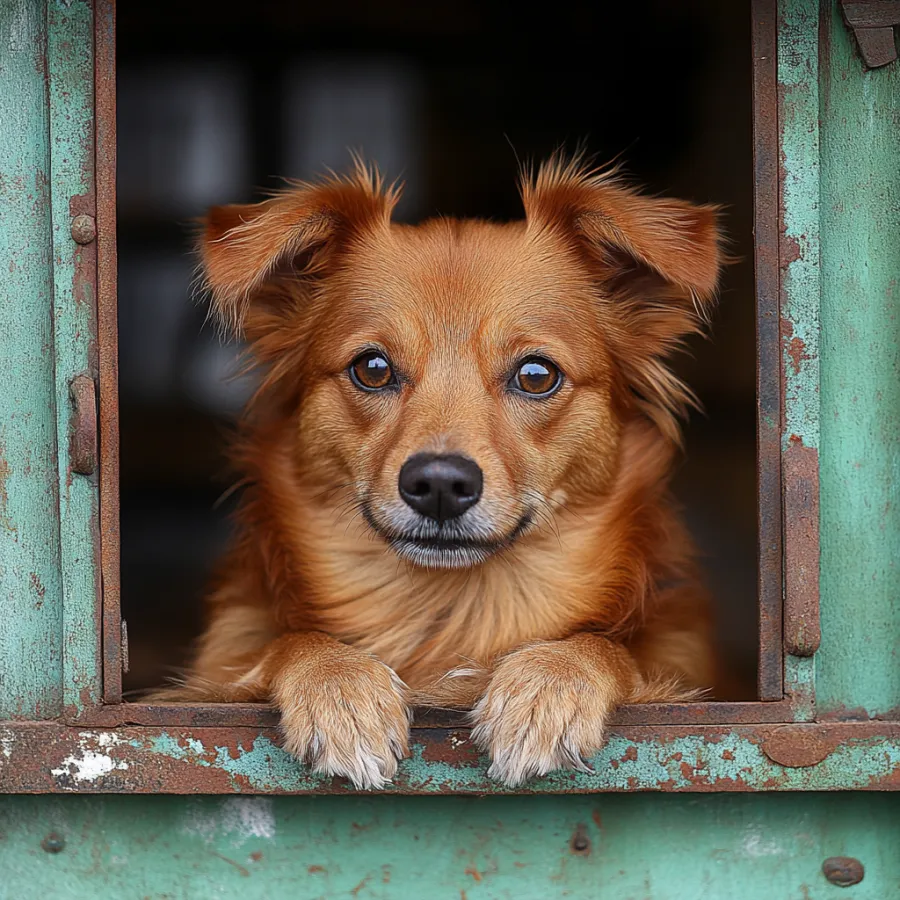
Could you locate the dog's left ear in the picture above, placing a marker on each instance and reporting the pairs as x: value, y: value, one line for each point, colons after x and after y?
x: 679, y: 241
x: 656, y: 262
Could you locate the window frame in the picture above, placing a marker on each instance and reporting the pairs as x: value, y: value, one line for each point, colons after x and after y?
x: 777, y: 505
x: 101, y: 743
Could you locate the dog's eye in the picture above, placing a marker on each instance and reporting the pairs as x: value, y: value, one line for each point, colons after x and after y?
x: 372, y: 371
x: 538, y: 377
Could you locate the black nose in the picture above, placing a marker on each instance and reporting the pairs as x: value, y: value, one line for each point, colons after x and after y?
x: 440, y: 487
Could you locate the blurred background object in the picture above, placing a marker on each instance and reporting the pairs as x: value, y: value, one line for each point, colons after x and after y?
x: 216, y: 108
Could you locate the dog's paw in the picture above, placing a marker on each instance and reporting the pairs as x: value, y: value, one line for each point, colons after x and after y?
x: 349, y: 717
x: 546, y: 708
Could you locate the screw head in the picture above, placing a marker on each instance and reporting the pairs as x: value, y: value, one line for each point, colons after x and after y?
x: 580, y: 842
x: 84, y: 229
x: 53, y: 843
x: 843, y: 871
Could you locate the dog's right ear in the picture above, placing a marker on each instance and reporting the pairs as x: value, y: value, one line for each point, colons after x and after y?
x: 243, y: 247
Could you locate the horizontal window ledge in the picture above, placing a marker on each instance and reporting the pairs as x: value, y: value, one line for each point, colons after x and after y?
x: 42, y: 757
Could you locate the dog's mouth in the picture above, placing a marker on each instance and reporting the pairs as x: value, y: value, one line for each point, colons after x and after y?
x: 439, y: 547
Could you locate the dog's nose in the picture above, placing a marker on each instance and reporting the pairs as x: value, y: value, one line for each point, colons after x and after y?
x: 440, y: 487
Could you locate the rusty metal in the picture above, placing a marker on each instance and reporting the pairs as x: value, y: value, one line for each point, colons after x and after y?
x: 872, y: 23
x: 843, y: 871
x: 580, y: 844
x: 262, y: 715
x: 84, y: 229
x: 797, y: 366
x: 48, y: 757
x: 53, y: 843
x: 768, y: 381
x: 105, y: 161
x: 802, y: 631
x: 774, y: 709
x: 125, y: 659
x: 83, y: 434
x: 798, y: 747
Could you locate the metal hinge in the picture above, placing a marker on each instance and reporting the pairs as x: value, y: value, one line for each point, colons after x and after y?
x: 872, y: 22
x: 83, y: 436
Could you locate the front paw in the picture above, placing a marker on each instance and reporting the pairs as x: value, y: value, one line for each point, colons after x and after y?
x: 348, y: 717
x: 546, y: 708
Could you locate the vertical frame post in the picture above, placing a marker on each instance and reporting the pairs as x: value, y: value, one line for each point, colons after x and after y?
x: 105, y: 143
x: 70, y: 66
x: 798, y: 205
x: 31, y: 642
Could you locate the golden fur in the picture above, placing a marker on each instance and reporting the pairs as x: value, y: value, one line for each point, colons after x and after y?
x: 596, y: 602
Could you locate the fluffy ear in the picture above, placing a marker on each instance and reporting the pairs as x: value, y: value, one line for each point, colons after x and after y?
x: 657, y: 263
x: 243, y: 247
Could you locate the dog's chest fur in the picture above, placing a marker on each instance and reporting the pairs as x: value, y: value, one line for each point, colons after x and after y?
x: 420, y: 622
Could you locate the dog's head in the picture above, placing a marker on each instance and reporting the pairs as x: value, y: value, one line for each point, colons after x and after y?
x: 461, y: 379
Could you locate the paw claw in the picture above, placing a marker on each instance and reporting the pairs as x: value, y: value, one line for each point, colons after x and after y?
x: 538, y: 716
x: 352, y: 724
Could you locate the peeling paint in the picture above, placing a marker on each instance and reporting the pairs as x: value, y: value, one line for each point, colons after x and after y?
x: 865, y: 756
x: 90, y: 763
x: 241, y: 818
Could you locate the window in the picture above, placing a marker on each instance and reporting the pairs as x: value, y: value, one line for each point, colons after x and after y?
x: 103, y: 741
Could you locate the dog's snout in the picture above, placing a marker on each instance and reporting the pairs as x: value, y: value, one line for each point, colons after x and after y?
x: 440, y: 487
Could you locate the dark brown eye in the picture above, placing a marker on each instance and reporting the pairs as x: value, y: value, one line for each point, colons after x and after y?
x: 372, y: 371
x: 537, y: 377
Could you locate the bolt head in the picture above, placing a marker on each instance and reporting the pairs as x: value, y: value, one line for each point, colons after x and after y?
x: 843, y: 871
x: 53, y: 843
x: 84, y: 229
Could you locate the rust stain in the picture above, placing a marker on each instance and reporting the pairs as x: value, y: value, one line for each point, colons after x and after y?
x: 256, y: 855
x: 798, y: 747
x: 313, y: 870
x: 797, y: 353
x: 471, y: 870
x: 454, y: 750
x: 104, y: 249
x: 231, y: 862
x: 630, y: 754
x: 5, y: 472
x: 355, y: 891
x: 802, y: 629
x: 39, y: 588
x: 790, y: 250
x: 598, y: 821
x: 580, y: 844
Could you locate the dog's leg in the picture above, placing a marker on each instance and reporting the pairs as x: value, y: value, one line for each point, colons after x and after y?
x: 343, y: 710
x: 230, y: 647
x: 548, y: 703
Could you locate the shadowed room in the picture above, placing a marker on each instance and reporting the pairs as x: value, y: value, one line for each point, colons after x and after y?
x: 451, y: 100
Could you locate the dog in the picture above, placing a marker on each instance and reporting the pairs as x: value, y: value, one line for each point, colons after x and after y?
x: 456, y: 468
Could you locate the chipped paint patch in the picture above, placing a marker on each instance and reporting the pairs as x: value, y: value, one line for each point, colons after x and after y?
x: 755, y: 844
x: 240, y: 818
x: 6, y: 742
x: 92, y: 761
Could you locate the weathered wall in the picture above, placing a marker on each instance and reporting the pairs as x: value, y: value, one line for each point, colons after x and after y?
x: 635, y: 847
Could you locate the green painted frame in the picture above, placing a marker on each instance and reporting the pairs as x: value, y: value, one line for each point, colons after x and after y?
x: 67, y: 728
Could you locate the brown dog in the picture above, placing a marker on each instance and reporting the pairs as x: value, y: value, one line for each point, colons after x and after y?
x: 457, y: 468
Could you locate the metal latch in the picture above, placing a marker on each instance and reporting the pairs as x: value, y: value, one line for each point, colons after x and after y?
x: 872, y: 22
x: 83, y: 435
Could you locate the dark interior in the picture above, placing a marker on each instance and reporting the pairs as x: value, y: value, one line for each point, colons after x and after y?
x: 216, y: 107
